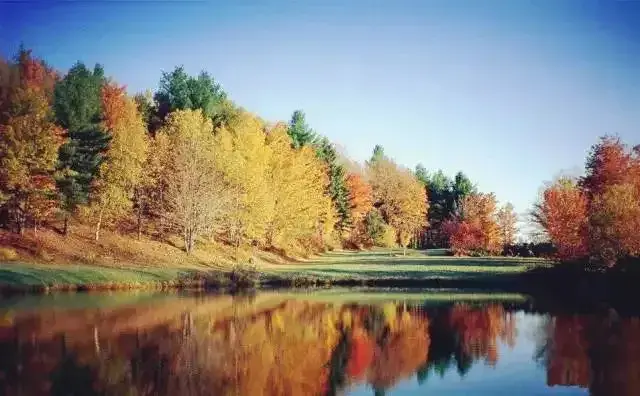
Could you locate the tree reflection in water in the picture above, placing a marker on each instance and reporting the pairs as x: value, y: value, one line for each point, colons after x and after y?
x: 271, y: 346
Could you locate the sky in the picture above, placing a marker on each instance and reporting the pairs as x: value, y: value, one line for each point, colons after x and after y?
x: 511, y: 92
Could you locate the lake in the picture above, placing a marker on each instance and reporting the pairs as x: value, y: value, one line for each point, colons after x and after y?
x: 326, y: 342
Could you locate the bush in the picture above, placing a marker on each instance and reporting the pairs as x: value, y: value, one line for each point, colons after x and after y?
x: 8, y: 254
x: 244, y: 276
x: 388, y: 238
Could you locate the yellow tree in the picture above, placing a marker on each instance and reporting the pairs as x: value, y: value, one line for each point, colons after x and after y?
x: 507, y: 220
x: 196, y: 192
x: 614, y: 223
x: 243, y: 157
x: 151, y: 194
x: 400, y: 197
x: 121, y: 171
x: 302, y: 210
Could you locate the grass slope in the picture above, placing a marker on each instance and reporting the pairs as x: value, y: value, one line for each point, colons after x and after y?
x: 416, y: 265
x: 52, y: 261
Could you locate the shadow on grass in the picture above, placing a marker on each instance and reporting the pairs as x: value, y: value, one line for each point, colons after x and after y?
x: 337, y: 273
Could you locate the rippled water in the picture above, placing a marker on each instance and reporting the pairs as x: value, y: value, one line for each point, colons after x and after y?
x: 325, y: 343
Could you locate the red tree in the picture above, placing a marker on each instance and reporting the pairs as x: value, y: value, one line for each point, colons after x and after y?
x: 564, y: 216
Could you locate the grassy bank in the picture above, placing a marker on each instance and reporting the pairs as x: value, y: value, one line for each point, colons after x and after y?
x: 381, y: 267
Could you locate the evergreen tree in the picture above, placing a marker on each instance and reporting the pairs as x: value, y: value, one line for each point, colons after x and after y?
x: 461, y: 187
x: 179, y: 91
x: 77, y: 106
x: 301, y: 134
x: 337, y: 188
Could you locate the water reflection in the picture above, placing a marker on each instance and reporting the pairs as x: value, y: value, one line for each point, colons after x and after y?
x: 274, y: 344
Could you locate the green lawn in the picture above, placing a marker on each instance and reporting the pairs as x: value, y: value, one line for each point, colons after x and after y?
x: 380, y: 264
x: 391, y: 264
x: 26, y: 275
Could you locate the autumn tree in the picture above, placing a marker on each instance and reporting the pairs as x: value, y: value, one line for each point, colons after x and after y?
x: 152, y: 193
x: 475, y: 229
x: 360, y: 203
x: 243, y: 158
x: 507, y: 220
x: 337, y: 188
x: 563, y: 214
x: 196, y: 191
x: 399, y: 196
x: 614, y: 221
x: 298, y: 181
x: 121, y: 171
x: 29, y: 142
x: 608, y: 163
x: 77, y: 106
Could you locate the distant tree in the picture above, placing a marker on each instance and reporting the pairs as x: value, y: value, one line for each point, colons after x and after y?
x: 475, y: 229
x: 77, y: 105
x: 461, y: 188
x: 400, y: 197
x: 179, y: 91
x: 507, y: 220
x: 299, y: 132
x: 378, y: 154
x: 147, y: 109
x: 360, y: 203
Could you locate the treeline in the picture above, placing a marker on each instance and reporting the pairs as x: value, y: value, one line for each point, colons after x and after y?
x: 186, y: 160
x: 595, y: 218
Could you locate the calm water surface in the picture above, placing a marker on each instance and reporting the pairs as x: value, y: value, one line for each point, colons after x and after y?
x: 335, y: 342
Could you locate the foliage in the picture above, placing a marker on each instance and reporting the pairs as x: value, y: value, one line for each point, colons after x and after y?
x: 614, y: 223
x: 77, y: 106
x: 121, y: 171
x: 196, y: 193
x: 179, y: 91
x: 399, y: 196
x: 598, y: 216
x: 29, y: 142
x: 298, y: 182
x: 360, y: 204
x: 337, y: 188
x: 243, y: 158
x: 475, y: 230
x: 299, y: 132
x: 507, y: 220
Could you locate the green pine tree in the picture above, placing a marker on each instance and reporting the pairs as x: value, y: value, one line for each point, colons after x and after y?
x: 77, y: 106
x: 301, y: 134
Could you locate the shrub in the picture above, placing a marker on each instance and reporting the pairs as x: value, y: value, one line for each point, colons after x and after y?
x: 244, y: 276
x: 8, y: 254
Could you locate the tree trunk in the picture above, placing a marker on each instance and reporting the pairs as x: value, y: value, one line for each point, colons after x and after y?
x: 188, y: 240
x: 404, y: 250
x: 139, y: 222
x: 98, y: 225
x: 35, y: 227
x: 65, y: 230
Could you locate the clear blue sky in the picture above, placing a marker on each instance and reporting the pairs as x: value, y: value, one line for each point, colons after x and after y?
x: 511, y: 92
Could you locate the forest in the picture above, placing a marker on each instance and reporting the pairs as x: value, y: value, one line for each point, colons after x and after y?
x: 76, y: 148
